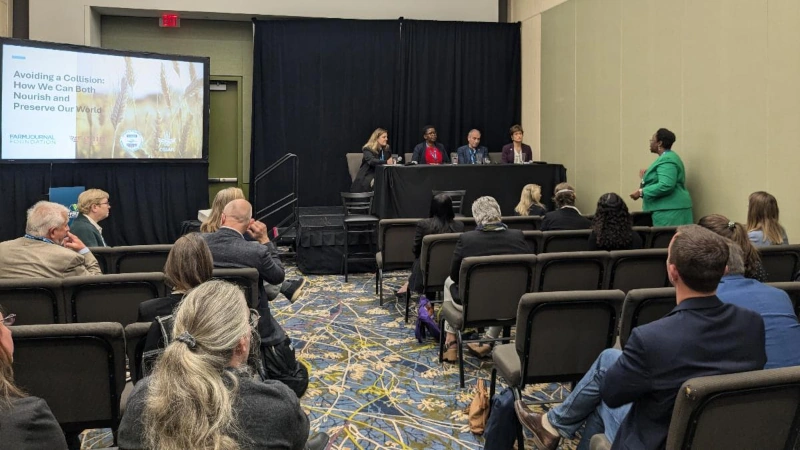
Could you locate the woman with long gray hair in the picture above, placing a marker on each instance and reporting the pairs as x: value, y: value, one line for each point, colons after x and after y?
x: 202, y: 393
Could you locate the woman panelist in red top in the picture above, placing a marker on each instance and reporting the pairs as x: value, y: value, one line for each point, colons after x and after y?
x: 430, y: 151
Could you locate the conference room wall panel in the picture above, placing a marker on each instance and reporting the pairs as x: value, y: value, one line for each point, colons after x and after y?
x: 65, y: 20
x: 597, y: 98
x: 722, y: 74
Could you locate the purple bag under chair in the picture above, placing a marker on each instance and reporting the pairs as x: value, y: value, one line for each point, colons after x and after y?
x: 426, y: 323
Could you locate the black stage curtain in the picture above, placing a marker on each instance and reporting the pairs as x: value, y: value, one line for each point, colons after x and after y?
x: 320, y: 87
x: 148, y: 201
x: 458, y: 76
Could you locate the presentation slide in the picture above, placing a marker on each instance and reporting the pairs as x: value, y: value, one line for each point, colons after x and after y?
x: 61, y: 104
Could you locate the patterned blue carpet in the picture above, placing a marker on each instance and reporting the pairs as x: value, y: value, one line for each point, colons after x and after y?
x: 372, y: 385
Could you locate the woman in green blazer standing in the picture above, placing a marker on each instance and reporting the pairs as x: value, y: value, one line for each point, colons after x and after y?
x: 663, y: 187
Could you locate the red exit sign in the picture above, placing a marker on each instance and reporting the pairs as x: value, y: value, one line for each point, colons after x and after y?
x: 169, y: 21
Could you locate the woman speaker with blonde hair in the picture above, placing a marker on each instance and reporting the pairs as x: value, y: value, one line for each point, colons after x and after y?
x: 376, y: 152
x: 530, y: 201
x: 202, y: 394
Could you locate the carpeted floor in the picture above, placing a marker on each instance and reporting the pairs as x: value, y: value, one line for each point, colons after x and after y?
x: 372, y: 385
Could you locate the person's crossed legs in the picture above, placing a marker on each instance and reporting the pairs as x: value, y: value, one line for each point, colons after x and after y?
x: 583, y: 405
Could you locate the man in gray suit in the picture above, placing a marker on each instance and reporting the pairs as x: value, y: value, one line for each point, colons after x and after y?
x: 48, y: 249
x: 230, y: 249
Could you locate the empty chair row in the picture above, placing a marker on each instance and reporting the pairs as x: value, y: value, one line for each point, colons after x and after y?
x: 131, y: 259
x: 103, y: 298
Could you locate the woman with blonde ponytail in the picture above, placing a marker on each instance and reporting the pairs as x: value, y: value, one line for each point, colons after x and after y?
x: 202, y: 394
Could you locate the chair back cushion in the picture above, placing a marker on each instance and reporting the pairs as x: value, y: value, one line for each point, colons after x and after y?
x: 572, y: 271
x: 758, y: 409
x: 524, y: 223
x: 33, y: 300
x: 353, y: 163
x: 110, y: 298
x: 135, y: 334
x: 246, y: 278
x: 583, y: 322
x: 141, y: 258
x: 436, y: 257
x: 491, y: 286
x: 637, y: 269
x: 79, y: 369
x: 565, y: 241
x: 395, y: 240
x: 643, y: 306
x: 780, y: 261
x: 660, y: 237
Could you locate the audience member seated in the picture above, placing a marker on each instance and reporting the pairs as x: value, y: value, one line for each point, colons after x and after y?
x: 736, y: 232
x: 48, y: 249
x: 94, y: 206
x: 612, y: 226
x: 26, y: 423
x: 230, y: 250
x: 212, y: 218
x: 629, y: 395
x: 430, y: 151
x: 188, y: 265
x: 530, y: 202
x: 763, y: 226
x: 490, y: 237
x: 780, y: 322
x: 291, y: 289
x: 516, y: 152
x: 376, y: 153
x: 439, y: 221
x: 202, y: 393
x: 566, y: 216
x: 473, y: 152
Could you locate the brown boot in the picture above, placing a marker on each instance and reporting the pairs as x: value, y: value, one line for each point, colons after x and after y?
x: 451, y: 352
x: 480, y: 350
x: 533, y: 421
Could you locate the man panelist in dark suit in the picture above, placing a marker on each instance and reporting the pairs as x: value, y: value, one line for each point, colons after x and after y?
x: 48, y: 249
x: 629, y: 395
x: 231, y: 250
x: 473, y: 152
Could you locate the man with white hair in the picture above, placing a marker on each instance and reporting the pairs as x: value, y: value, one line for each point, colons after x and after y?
x: 48, y: 249
x: 490, y: 237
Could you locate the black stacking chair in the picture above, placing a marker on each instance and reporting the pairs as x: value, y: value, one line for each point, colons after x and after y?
x: 395, y: 240
x: 358, y: 221
x: 524, y: 223
x: 637, y: 269
x: 34, y: 300
x: 584, y: 323
x: 570, y: 271
x: 435, y: 258
x: 758, y: 409
x: 780, y: 261
x: 660, y: 237
x: 565, y: 241
x: 643, y: 306
x: 458, y: 200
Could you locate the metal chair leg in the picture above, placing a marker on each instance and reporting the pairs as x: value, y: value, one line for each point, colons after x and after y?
x: 441, y: 338
x: 460, y: 359
x: 492, y: 385
x: 408, y: 302
x: 379, y: 286
x: 346, y: 251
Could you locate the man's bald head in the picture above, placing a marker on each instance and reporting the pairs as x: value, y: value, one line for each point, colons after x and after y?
x: 237, y: 214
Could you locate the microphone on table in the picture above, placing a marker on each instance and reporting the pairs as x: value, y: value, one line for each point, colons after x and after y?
x: 398, y: 158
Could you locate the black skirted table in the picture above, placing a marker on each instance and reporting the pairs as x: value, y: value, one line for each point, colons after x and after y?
x: 405, y: 191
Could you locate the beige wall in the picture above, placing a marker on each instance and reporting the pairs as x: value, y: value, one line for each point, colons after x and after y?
x: 68, y: 21
x: 5, y: 18
x: 722, y: 74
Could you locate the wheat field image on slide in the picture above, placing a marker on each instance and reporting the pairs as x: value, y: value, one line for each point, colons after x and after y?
x: 153, y: 110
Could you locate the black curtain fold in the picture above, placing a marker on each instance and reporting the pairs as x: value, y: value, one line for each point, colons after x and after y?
x: 148, y: 201
x: 458, y: 76
x: 322, y: 86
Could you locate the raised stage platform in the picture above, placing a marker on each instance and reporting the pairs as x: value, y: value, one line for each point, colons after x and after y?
x: 320, y: 242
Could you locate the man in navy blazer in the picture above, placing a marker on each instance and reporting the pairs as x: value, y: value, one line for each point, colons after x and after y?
x: 629, y: 395
x: 473, y: 152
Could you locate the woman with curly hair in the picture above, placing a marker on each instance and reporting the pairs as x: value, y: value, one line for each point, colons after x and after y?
x: 612, y: 227
x: 738, y: 234
x: 530, y: 201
